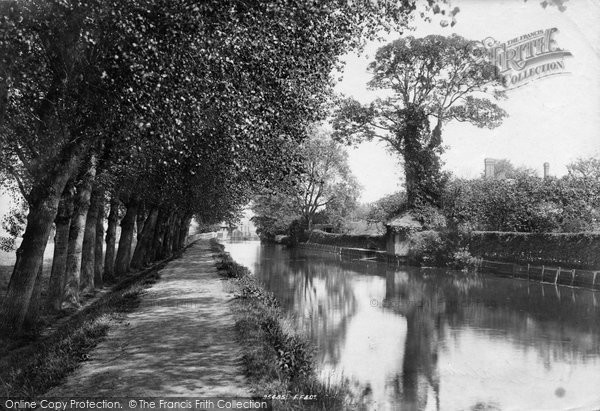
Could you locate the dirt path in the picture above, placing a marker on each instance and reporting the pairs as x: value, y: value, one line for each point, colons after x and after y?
x: 179, y: 342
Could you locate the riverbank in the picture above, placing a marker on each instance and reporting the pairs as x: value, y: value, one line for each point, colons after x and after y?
x: 569, y: 259
x: 278, y: 362
x: 589, y: 279
x: 30, y: 367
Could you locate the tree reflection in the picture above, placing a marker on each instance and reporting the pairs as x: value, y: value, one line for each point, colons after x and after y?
x: 317, y: 292
x: 439, y: 306
x: 422, y: 306
x: 433, y: 301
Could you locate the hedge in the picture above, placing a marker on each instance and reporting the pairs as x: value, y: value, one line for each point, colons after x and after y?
x: 573, y: 250
x: 372, y: 242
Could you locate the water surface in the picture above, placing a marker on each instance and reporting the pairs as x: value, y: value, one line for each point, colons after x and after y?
x: 431, y: 339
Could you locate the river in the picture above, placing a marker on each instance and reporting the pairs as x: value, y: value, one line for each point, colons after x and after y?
x: 430, y: 339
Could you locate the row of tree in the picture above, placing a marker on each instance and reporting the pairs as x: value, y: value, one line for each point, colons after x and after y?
x: 171, y: 109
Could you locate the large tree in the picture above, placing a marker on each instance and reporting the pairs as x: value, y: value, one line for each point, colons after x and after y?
x: 323, y: 185
x: 431, y: 81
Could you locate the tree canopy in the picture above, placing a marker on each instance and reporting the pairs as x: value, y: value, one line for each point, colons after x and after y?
x: 432, y: 81
x: 166, y: 109
x: 323, y: 187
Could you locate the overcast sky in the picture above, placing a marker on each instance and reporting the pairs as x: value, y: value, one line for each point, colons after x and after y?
x: 555, y: 119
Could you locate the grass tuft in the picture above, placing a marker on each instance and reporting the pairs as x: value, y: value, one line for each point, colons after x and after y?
x: 276, y: 360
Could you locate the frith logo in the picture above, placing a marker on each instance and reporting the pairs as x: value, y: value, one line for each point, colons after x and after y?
x: 525, y: 58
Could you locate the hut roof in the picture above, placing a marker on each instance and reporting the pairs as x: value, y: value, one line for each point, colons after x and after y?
x: 404, y: 220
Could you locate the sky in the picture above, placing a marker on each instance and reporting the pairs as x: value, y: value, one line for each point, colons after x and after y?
x: 555, y: 119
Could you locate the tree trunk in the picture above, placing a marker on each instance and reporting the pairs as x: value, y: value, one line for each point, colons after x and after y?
x: 145, y: 240
x: 76, y: 234
x: 98, y: 249
x: 422, y: 165
x: 184, y: 227
x: 33, y: 311
x: 175, y: 240
x: 127, y: 233
x: 111, y: 238
x: 171, y: 234
x: 183, y: 232
x: 43, y: 207
x: 150, y: 254
x: 62, y: 221
x: 140, y: 220
x: 164, y: 250
x: 88, y: 251
x: 159, y: 234
x: 29, y: 258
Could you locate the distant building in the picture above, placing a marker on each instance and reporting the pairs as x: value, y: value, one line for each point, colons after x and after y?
x: 489, y: 167
x: 244, y: 229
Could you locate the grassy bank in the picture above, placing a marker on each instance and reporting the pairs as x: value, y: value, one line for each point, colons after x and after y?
x: 277, y: 360
x: 33, y: 369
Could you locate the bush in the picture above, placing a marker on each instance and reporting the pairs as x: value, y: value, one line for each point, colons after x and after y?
x: 524, y: 204
x: 230, y: 269
x: 426, y: 248
x: 294, y: 355
x: 462, y: 259
x: 446, y: 248
x: 249, y: 289
x: 431, y: 217
x: 297, y: 232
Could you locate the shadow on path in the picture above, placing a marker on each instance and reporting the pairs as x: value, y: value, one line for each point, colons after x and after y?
x: 180, y: 341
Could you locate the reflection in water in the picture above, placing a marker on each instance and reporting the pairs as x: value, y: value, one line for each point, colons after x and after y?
x: 429, y: 339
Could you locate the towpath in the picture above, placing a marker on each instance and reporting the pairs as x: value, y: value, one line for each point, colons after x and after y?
x: 179, y: 342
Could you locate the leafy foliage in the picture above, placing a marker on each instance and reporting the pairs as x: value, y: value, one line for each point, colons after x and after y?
x: 190, y: 107
x: 13, y: 223
x: 434, y: 78
x: 323, y: 186
x: 181, y: 99
x: 525, y: 203
x: 441, y: 248
x: 587, y: 169
x: 386, y: 207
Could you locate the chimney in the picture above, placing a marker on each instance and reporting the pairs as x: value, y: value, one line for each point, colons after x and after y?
x: 490, y: 168
x: 546, y: 169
